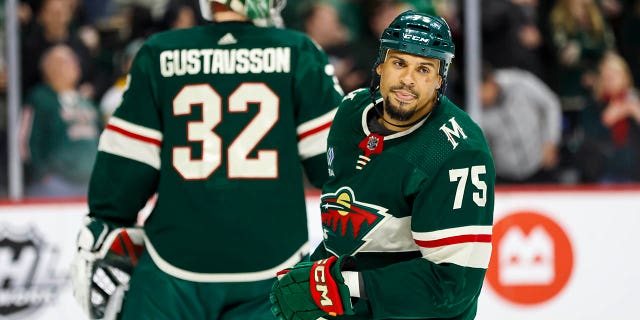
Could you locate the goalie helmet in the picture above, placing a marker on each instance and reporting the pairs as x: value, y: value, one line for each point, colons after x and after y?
x: 261, y: 12
x: 419, y: 34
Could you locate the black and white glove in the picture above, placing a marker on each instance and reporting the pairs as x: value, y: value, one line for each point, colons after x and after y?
x: 102, y: 267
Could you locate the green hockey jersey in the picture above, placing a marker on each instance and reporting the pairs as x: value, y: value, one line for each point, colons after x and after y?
x: 415, y: 208
x: 63, y: 134
x: 220, y: 121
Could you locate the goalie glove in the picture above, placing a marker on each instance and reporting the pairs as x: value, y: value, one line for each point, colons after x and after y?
x: 311, y: 290
x: 102, y: 267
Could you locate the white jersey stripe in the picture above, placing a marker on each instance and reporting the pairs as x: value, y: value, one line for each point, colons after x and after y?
x: 129, y: 147
x: 223, y: 277
x: 468, y: 254
x: 452, y: 232
x: 314, y: 144
x: 390, y: 236
x: 313, y: 134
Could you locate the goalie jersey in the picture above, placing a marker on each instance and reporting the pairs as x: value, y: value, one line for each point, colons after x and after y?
x: 220, y: 121
x: 415, y: 208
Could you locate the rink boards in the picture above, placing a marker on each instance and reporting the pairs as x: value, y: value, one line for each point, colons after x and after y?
x: 558, y: 253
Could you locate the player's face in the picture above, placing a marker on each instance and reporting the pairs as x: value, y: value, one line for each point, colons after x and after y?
x: 408, y: 84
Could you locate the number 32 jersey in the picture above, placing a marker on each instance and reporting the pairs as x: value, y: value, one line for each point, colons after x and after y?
x: 220, y: 121
x: 415, y: 208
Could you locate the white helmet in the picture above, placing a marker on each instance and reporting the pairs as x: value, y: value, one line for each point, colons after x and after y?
x: 261, y: 12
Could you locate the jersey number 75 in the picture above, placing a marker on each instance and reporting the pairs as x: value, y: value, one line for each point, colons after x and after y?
x: 461, y: 175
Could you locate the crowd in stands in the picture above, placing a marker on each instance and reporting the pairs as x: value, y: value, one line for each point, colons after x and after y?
x: 559, y: 90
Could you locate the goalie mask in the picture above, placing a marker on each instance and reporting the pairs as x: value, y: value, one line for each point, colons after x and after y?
x: 261, y: 12
x: 419, y: 34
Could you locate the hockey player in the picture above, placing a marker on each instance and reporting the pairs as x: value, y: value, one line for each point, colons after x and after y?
x: 407, y: 211
x: 219, y: 121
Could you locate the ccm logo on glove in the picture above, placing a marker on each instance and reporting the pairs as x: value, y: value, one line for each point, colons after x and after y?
x: 324, y: 289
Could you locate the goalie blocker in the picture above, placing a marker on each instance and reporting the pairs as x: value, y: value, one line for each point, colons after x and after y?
x: 102, y: 267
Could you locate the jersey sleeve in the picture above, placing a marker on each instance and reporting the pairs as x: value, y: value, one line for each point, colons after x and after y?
x: 127, y: 166
x: 316, y: 95
x: 451, y: 224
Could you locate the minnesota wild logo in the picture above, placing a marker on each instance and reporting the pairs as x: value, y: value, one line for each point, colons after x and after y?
x: 347, y: 222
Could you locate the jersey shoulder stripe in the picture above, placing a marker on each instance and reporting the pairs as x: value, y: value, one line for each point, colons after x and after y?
x: 131, y: 141
x: 312, y: 135
x: 316, y: 125
x: 467, y: 246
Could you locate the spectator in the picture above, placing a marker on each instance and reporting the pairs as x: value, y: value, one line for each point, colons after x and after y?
x: 611, y: 126
x: 580, y: 37
x: 521, y: 120
x: 629, y: 44
x: 61, y: 129
x: 322, y: 23
x: 379, y: 14
x: 53, y: 27
x: 179, y: 15
x: 510, y: 36
x: 113, y: 97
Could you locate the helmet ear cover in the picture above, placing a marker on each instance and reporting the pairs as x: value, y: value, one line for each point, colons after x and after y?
x: 418, y: 34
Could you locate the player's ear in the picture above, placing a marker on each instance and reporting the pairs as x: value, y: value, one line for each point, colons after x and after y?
x: 378, y: 68
x: 439, y: 82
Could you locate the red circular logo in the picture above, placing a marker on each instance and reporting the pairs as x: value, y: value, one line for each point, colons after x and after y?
x: 532, y: 259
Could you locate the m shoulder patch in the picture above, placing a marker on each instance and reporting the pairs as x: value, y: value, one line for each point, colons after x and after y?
x: 455, y: 131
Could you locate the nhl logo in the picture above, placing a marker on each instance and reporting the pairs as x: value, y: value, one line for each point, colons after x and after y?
x: 28, y: 270
x: 372, y: 144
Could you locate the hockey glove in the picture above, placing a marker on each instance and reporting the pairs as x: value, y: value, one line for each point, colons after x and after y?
x: 311, y: 290
x: 102, y: 267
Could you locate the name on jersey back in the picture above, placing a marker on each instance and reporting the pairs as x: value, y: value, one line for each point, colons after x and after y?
x: 224, y: 61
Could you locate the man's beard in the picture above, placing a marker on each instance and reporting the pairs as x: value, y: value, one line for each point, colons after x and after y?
x: 394, y: 111
x: 397, y: 113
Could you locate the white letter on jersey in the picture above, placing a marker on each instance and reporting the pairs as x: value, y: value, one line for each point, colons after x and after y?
x: 456, y: 131
x: 166, y: 63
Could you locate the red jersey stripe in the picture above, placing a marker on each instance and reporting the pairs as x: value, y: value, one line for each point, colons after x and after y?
x: 454, y: 240
x: 133, y: 135
x: 314, y: 130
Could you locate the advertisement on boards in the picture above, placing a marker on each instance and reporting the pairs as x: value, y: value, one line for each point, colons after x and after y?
x: 563, y: 255
x: 557, y: 254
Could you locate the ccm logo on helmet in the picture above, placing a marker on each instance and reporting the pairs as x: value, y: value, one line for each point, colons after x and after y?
x: 321, y: 283
x: 415, y: 38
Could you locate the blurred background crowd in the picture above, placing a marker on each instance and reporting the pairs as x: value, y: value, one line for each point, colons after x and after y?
x: 558, y: 92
